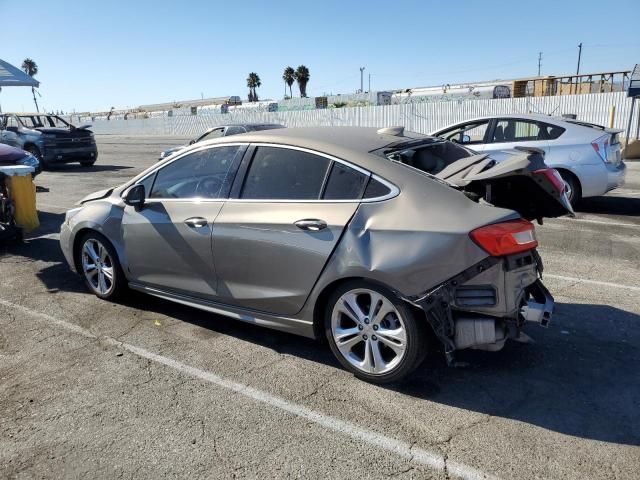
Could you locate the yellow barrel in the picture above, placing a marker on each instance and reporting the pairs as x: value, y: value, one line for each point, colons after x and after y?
x: 23, y: 195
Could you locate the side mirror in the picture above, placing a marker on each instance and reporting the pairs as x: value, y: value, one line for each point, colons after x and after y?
x: 135, y: 196
x: 466, y: 139
x: 191, y: 142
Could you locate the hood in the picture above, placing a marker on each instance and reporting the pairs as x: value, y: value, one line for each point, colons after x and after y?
x: 523, y: 183
x: 96, y: 195
x: 10, y: 155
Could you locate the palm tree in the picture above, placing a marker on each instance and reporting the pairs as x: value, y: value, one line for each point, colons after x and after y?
x: 289, y: 76
x: 302, y: 77
x: 253, y: 82
x: 31, y: 68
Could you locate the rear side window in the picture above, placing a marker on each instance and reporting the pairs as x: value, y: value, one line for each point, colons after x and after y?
x: 344, y: 183
x: 202, y: 174
x: 376, y: 189
x: 282, y: 173
x: 235, y: 130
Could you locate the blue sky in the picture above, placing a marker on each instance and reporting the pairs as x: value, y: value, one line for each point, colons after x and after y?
x: 96, y: 54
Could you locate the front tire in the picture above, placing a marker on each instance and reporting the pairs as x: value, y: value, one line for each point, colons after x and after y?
x: 88, y: 163
x: 98, y: 263
x: 373, y: 333
x: 35, y: 151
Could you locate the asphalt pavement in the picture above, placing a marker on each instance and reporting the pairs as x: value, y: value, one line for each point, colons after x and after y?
x: 146, y: 388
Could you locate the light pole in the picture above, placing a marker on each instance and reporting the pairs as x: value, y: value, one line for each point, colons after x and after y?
x: 361, y: 79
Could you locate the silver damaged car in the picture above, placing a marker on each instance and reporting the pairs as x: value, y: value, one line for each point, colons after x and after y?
x: 376, y: 240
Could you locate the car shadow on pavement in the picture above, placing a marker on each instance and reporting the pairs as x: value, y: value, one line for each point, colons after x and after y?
x: 612, y: 205
x: 75, y: 168
x: 579, y: 378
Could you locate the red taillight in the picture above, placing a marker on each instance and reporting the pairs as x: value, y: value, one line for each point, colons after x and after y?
x: 506, y: 238
x: 554, y: 177
x: 601, y: 146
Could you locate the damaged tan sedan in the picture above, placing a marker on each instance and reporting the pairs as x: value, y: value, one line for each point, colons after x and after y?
x: 373, y: 239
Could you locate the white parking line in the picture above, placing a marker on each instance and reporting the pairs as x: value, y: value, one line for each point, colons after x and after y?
x: 597, y: 222
x: 402, y: 449
x: 593, y: 282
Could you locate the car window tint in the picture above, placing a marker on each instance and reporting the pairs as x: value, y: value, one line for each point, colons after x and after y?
x: 281, y: 173
x: 376, y: 189
x: 513, y: 130
x: 202, y: 174
x: 218, y: 132
x: 147, y: 182
x: 344, y: 183
x: 234, y: 131
x: 468, y: 134
x: 11, y: 122
x: 552, y: 131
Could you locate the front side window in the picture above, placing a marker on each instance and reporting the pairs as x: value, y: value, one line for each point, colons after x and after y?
x: 514, y: 130
x: 467, y: 134
x: 282, y: 173
x: 202, y: 174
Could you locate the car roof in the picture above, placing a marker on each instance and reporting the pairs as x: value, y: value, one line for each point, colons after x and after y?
x: 353, y: 144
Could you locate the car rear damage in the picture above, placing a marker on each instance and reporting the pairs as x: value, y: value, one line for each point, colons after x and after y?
x: 491, y: 301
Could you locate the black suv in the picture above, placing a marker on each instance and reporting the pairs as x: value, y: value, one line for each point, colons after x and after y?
x: 49, y: 138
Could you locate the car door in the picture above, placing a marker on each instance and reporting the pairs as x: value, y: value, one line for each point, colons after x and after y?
x: 271, y: 243
x: 472, y: 134
x: 168, y: 242
x: 509, y: 133
x: 9, y: 132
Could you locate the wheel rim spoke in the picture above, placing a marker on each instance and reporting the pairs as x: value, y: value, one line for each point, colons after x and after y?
x: 368, y: 331
x: 98, y: 267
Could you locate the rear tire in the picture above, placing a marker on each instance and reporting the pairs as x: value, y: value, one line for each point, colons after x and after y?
x: 98, y: 264
x: 574, y: 190
x: 373, y: 333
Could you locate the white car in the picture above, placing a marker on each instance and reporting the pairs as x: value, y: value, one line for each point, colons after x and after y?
x: 586, y: 155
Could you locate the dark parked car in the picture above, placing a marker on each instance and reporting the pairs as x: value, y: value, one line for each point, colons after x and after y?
x: 223, y: 131
x: 334, y: 232
x: 49, y: 138
x: 15, y: 156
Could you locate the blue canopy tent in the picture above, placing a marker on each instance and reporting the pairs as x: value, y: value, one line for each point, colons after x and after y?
x: 11, y: 76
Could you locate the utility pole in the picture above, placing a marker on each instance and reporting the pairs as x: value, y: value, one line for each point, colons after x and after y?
x: 361, y: 79
x: 579, y: 55
x: 539, y: 62
x: 369, y: 83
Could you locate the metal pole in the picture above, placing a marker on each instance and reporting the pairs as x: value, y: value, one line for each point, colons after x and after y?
x: 369, y: 82
x: 361, y: 79
x: 628, y: 133
x: 539, y: 62
x: 579, y: 55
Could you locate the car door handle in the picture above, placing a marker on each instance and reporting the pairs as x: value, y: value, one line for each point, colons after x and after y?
x: 311, y: 224
x: 196, y: 222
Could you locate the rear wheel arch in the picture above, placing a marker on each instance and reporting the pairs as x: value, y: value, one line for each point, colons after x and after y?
x: 321, y: 302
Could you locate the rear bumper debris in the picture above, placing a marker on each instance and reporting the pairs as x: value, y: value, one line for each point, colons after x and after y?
x: 464, y: 313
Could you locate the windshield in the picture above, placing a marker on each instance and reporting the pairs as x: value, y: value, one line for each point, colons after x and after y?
x: 42, y: 121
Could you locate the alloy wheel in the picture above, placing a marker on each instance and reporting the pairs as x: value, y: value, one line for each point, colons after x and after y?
x: 97, y: 266
x: 368, y: 331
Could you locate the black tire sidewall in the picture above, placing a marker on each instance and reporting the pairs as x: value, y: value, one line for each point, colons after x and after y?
x: 118, y: 275
x: 576, y: 191
x: 416, y: 338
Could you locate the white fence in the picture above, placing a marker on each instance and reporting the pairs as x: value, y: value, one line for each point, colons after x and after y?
x: 417, y: 117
